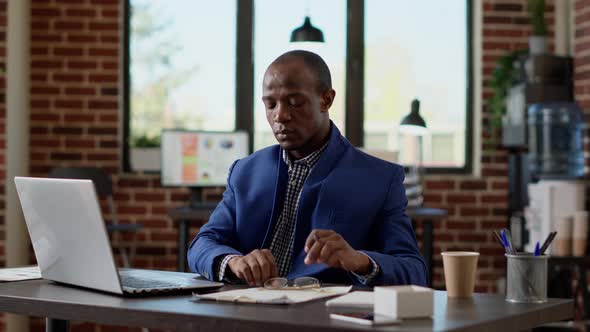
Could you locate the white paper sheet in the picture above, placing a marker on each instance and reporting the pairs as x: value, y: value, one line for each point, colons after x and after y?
x: 20, y: 273
x: 273, y: 296
x: 353, y: 300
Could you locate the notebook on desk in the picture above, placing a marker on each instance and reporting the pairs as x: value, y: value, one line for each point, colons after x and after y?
x: 71, y: 244
x: 261, y: 295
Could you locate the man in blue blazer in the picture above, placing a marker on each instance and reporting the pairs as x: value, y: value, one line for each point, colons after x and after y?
x: 313, y: 205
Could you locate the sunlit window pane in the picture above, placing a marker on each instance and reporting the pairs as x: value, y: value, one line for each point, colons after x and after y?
x: 273, y: 23
x: 182, y: 65
x: 417, y: 49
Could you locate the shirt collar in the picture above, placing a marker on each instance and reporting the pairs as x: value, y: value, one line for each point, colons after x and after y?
x: 308, y: 161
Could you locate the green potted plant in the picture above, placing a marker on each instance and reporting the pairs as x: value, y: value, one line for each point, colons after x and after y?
x: 145, y: 153
x: 503, y: 78
x: 538, y: 41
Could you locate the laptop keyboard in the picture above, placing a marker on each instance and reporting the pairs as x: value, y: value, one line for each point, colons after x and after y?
x: 143, y: 283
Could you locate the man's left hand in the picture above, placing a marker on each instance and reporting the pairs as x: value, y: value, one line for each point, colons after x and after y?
x: 330, y: 248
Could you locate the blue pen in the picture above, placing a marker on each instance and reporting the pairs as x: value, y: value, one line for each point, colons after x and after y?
x: 537, y: 249
x: 505, y: 242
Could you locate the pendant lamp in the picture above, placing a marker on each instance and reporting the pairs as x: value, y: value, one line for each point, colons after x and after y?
x: 307, y: 33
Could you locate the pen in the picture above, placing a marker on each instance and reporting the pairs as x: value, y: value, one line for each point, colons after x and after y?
x: 547, y: 242
x: 499, y: 239
x: 509, y: 241
x: 505, y: 242
x: 537, y: 249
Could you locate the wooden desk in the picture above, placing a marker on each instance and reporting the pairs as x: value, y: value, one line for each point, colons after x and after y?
x: 41, y: 298
x: 186, y: 216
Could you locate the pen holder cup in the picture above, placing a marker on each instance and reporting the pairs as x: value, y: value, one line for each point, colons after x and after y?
x: 527, y: 278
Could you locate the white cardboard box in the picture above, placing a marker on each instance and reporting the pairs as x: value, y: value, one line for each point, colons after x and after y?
x: 404, y: 301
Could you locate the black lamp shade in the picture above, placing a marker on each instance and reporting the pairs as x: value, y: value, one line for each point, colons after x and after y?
x: 307, y: 33
x: 413, y: 123
x: 414, y: 118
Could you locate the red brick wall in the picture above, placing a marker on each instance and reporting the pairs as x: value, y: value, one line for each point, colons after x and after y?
x: 75, y: 113
x: 582, y: 56
x: 479, y: 205
x: 582, y: 69
x: 75, y: 120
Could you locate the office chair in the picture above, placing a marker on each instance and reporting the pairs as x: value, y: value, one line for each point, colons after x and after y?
x: 104, y: 189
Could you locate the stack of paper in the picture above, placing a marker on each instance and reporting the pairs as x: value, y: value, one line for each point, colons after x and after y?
x: 273, y: 296
x: 20, y: 273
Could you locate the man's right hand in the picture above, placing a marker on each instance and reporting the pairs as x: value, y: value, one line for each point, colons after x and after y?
x: 255, y: 268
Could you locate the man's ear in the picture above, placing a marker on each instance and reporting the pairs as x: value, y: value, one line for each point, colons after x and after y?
x: 327, y: 99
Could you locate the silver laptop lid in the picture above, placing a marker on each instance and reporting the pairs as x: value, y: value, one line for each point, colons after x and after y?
x: 68, y: 233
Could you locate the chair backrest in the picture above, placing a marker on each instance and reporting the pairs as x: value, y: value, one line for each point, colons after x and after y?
x: 102, y: 181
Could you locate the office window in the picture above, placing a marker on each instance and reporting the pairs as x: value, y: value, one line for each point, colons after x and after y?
x: 273, y: 23
x: 417, y: 49
x: 182, y: 69
x: 181, y: 65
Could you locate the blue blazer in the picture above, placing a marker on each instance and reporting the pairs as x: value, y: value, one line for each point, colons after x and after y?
x: 359, y: 196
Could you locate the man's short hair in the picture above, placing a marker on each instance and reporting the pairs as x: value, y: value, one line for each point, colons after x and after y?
x: 314, y: 62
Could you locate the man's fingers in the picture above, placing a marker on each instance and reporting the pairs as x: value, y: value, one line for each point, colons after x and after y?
x: 314, y: 236
x: 274, y: 271
x: 265, y: 266
x: 314, y: 252
x: 246, y: 274
x: 311, y: 238
x: 329, y: 249
x: 255, y: 268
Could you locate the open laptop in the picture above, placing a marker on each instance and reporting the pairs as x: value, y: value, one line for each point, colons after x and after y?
x: 71, y: 243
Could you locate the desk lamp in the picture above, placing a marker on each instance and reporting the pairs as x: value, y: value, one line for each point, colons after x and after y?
x: 413, y: 127
x: 413, y: 123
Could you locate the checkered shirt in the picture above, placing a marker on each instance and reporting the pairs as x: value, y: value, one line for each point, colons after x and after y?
x: 281, y: 245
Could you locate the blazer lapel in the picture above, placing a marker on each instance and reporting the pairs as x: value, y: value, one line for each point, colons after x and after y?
x: 312, y: 187
x: 281, y: 179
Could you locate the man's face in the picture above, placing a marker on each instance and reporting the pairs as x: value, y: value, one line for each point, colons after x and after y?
x: 295, y: 109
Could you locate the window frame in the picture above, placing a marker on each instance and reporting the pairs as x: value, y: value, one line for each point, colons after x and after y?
x: 354, y: 94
